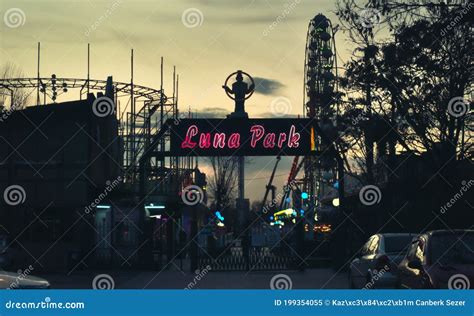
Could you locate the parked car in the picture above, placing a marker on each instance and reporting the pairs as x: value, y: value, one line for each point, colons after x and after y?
x: 439, y: 259
x: 17, y: 281
x: 376, y: 264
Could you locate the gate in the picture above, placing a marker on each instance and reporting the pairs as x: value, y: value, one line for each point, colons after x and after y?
x: 270, y: 248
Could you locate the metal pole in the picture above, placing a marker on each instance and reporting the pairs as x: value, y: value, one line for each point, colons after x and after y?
x: 241, y: 179
x: 88, y: 67
x: 175, y: 116
x: 162, y: 147
x: 132, y: 116
x: 178, y: 160
x: 174, y: 94
x: 244, y: 210
x: 38, y: 77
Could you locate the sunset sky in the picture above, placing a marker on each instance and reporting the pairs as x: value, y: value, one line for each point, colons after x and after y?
x: 229, y: 35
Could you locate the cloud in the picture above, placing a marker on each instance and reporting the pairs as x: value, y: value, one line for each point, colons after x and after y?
x: 272, y: 115
x: 267, y: 86
x: 212, y: 112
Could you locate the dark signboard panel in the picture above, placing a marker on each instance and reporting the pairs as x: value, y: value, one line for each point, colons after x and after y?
x: 243, y: 137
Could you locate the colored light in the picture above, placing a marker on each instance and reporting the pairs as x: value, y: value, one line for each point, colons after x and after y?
x: 288, y: 211
x: 324, y: 228
x: 154, y: 207
x: 336, y: 202
x: 219, y: 216
x: 304, y: 195
x: 103, y: 206
x: 336, y: 185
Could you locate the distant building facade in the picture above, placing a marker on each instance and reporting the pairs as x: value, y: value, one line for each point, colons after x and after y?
x: 61, y: 157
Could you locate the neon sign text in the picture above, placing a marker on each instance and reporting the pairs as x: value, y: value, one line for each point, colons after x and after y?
x: 258, y: 137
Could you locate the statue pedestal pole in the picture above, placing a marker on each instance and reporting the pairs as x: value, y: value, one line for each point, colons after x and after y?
x: 240, y: 92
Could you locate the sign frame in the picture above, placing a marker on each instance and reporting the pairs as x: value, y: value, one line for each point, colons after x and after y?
x: 243, y: 137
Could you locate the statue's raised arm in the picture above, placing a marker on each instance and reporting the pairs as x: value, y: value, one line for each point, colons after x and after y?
x: 227, y: 89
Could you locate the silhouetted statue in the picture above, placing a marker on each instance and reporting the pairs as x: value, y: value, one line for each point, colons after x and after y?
x: 241, y: 91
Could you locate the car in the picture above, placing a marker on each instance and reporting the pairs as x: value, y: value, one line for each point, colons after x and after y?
x: 14, y: 281
x: 439, y: 259
x: 375, y: 266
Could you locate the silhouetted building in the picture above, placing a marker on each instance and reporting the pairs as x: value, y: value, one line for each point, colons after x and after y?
x: 60, y: 157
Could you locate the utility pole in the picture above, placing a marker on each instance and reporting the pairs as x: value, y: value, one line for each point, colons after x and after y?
x: 368, y: 139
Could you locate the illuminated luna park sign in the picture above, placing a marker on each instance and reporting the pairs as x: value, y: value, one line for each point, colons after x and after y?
x: 243, y: 137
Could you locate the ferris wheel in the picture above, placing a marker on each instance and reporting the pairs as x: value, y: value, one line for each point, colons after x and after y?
x: 320, y: 69
x: 320, y: 73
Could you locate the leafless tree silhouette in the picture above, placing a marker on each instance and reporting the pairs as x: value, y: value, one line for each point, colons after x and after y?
x: 14, y: 98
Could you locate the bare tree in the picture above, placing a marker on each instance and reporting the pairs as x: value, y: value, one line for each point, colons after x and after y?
x: 16, y: 98
x: 401, y: 85
x: 223, y: 181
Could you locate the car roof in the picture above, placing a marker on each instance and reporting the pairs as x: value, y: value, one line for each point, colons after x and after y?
x: 450, y: 232
x: 8, y: 279
x: 397, y: 234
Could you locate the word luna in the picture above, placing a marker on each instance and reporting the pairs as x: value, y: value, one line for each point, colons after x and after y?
x: 257, y: 132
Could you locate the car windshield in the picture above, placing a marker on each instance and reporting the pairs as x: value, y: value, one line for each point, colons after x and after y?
x: 449, y: 249
x: 397, y: 243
